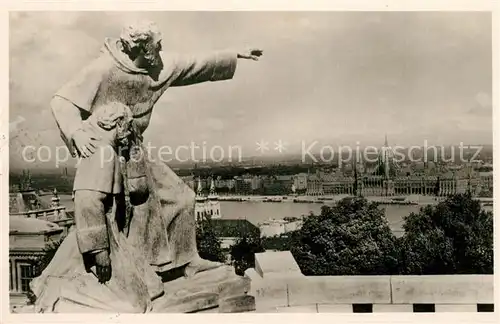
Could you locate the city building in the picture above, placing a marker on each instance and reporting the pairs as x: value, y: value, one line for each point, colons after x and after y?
x: 207, y: 206
x: 27, y: 203
x: 486, y: 180
x: 243, y: 185
x: 200, y: 205
x: 314, y: 185
x: 386, y: 177
x: 256, y: 183
x: 28, y: 240
x: 275, y: 227
x: 272, y: 227
x: 213, y: 208
x: 286, y: 181
x: 338, y: 184
x: 300, y: 181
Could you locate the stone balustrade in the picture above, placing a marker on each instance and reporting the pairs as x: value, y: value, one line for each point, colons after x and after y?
x: 279, y: 286
x: 54, y: 213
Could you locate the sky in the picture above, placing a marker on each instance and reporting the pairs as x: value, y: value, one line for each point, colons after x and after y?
x: 333, y: 77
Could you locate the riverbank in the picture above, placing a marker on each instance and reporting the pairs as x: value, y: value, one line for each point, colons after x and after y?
x: 385, y: 200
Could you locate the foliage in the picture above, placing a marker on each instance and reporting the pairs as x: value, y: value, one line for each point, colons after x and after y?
x: 282, y: 242
x: 234, y: 228
x: 209, y: 245
x: 453, y: 237
x: 243, y: 253
x: 350, y: 238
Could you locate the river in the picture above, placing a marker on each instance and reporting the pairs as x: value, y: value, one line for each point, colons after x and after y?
x: 257, y: 212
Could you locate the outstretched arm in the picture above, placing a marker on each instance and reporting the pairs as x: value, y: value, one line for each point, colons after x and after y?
x: 215, y: 66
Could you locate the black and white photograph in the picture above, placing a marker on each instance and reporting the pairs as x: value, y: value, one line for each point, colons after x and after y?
x: 250, y: 162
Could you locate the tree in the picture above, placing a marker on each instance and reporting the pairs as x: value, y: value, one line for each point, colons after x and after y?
x: 209, y: 245
x: 350, y: 238
x: 282, y: 242
x: 453, y: 237
x: 243, y: 253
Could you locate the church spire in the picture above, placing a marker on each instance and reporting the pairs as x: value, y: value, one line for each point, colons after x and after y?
x: 199, y: 190
x: 212, y: 188
x: 213, y: 194
x: 386, y: 164
x: 55, y: 199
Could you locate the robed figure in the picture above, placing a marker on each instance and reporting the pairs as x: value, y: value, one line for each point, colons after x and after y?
x: 134, y: 216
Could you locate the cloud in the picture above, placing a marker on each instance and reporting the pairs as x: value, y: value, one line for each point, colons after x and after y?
x: 482, y: 106
x: 324, y: 74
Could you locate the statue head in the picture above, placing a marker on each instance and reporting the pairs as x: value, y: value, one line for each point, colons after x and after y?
x: 142, y: 43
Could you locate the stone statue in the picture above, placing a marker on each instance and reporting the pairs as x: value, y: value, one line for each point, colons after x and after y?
x: 134, y: 216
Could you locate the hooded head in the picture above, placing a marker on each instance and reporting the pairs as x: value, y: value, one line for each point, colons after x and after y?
x: 142, y: 43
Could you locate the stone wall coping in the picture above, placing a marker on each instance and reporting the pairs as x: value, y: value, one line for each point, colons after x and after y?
x: 384, y: 290
x: 277, y: 281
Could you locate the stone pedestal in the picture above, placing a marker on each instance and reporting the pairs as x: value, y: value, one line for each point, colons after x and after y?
x: 215, y: 291
x: 218, y: 290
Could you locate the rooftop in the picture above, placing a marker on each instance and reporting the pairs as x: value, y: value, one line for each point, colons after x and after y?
x: 23, y: 225
x: 234, y: 227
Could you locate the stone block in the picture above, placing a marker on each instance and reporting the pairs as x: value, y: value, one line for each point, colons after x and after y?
x: 255, y: 280
x: 456, y: 308
x: 339, y: 290
x: 271, y: 293
x: 392, y: 308
x: 237, y: 304
x: 442, y: 289
x: 276, y: 263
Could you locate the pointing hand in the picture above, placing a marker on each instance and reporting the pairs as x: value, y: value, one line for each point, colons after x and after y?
x: 252, y: 54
